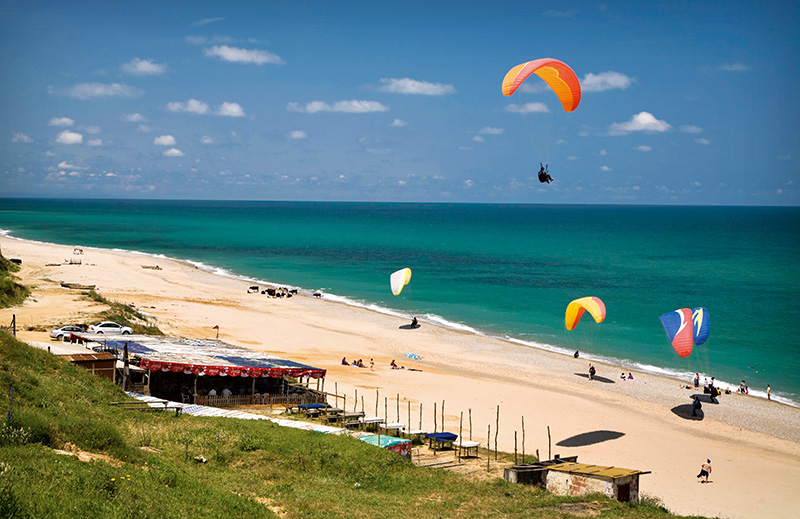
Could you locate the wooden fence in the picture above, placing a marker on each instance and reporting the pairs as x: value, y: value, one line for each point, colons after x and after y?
x: 309, y: 397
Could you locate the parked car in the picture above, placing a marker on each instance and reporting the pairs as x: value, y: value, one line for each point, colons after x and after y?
x: 109, y: 327
x: 64, y: 331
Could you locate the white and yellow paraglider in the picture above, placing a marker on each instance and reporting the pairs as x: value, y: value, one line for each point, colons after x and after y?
x: 399, y: 279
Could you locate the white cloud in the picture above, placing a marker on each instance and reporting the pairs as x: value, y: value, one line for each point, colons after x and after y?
x: 605, y: 168
x: 192, y: 105
x: 734, y: 67
x: 206, y: 21
x: 644, y: 147
x: 49, y: 153
x: 528, y: 108
x: 641, y: 122
x: 603, y: 153
x: 144, y: 128
x: 468, y: 183
x: 173, y: 152
x: 144, y: 67
x: 236, y: 55
x: 230, y: 110
x: 412, y: 86
x: 93, y: 129
x: 195, y: 40
x: 207, y: 140
x: 352, y: 107
x: 691, y: 129
x: 478, y: 138
x: 65, y: 165
x: 133, y: 118
x: 297, y: 134
x: 398, y: 123
x: 60, y: 121
x: 68, y: 137
x: 98, y: 90
x: 702, y: 141
x: 21, y: 137
x: 491, y: 130
x: 605, y: 81
x: 164, y: 140
x: 94, y: 142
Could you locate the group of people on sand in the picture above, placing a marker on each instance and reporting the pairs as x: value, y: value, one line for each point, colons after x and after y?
x: 623, y: 377
x: 358, y: 363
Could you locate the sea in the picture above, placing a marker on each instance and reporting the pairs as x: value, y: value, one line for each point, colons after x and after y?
x: 506, y: 271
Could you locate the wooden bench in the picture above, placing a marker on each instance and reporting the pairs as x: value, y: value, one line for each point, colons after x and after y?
x: 139, y: 405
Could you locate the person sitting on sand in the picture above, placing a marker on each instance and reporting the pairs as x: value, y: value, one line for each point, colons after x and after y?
x: 344, y: 361
x: 360, y: 363
x: 393, y: 365
x: 630, y: 376
x: 577, y: 354
x: 414, y: 323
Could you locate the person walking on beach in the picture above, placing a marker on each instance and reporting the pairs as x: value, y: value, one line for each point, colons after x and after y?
x: 696, y: 405
x: 769, y: 392
x: 705, y: 470
x: 592, y: 372
x: 696, y: 380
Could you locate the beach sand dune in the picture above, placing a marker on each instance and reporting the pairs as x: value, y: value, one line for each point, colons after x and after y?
x: 642, y: 424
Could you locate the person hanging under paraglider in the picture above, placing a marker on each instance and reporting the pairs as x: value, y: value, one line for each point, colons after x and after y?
x: 544, y: 174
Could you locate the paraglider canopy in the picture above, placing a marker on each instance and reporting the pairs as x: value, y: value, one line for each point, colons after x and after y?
x: 678, y: 326
x: 399, y: 279
x: 575, y: 310
x: 557, y: 74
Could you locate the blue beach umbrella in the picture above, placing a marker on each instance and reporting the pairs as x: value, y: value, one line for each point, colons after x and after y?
x: 412, y: 356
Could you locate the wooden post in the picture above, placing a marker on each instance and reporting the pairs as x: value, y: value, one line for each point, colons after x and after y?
x: 420, y: 416
x: 385, y: 409
x: 398, y: 408
x: 125, y: 368
x: 523, y: 439
x: 362, y: 403
x: 488, y: 447
x: 355, y: 403
x: 253, y: 392
x: 496, y: 431
x: 460, y: 423
x: 470, y: 424
x: 377, y: 399
x: 537, y: 455
x: 434, y: 428
x: 515, y: 447
x: 443, y: 429
x: 409, y: 415
x: 549, y: 445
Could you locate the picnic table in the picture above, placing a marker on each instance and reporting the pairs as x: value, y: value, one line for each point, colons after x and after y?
x: 465, y: 447
x: 150, y: 405
x: 368, y: 421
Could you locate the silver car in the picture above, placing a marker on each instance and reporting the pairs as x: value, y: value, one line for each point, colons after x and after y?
x: 65, y: 331
x: 110, y: 328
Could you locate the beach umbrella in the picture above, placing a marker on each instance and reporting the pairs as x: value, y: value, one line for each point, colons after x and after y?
x: 412, y: 356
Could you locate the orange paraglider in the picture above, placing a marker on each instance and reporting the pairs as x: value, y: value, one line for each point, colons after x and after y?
x: 576, y: 308
x: 557, y: 74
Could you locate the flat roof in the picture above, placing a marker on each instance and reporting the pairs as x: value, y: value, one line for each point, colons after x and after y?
x: 602, y: 471
x: 88, y: 357
x: 210, y: 357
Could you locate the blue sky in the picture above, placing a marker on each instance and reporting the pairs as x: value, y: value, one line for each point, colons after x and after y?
x: 683, y: 102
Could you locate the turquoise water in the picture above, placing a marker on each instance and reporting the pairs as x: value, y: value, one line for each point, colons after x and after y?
x: 501, y: 270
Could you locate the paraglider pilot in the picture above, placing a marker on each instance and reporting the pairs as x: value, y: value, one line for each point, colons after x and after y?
x: 544, y: 174
x: 414, y: 323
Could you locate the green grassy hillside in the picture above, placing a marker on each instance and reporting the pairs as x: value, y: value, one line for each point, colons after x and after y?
x: 253, y: 468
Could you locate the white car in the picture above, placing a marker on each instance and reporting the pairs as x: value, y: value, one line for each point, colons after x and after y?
x: 110, y: 328
x: 64, y: 331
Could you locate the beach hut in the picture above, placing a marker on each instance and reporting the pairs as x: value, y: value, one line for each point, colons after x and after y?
x: 102, y: 364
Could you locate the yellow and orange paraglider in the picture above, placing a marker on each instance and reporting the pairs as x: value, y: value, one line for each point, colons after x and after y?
x: 557, y: 74
x: 576, y: 308
x: 399, y: 279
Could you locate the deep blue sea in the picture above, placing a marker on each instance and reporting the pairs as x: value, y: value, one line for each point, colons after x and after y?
x: 500, y: 270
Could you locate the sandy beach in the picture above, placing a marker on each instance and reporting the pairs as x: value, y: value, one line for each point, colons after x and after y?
x: 754, y: 444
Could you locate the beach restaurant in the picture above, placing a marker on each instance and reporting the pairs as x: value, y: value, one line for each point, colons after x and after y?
x: 211, y: 372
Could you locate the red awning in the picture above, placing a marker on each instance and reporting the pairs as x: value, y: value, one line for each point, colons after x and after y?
x: 231, y: 371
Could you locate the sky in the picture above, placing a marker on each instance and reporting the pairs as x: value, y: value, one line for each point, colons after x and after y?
x: 682, y: 102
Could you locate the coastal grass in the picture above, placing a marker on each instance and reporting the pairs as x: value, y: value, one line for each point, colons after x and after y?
x: 156, y: 464
x: 124, y: 315
x: 11, y: 292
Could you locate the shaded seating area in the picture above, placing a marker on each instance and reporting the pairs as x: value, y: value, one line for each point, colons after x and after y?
x: 441, y: 440
x: 466, y: 448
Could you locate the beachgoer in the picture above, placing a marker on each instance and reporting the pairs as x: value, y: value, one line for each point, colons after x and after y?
x: 622, y: 376
x: 213, y: 392
x: 414, y: 323
x: 714, y: 392
x: 344, y: 361
x: 696, y: 380
x: 226, y: 392
x: 360, y: 363
x: 592, y: 372
x: 769, y: 392
x: 705, y: 470
x: 696, y: 405
x: 393, y: 365
x: 577, y: 354
x: 371, y: 364
x: 630, y: 376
